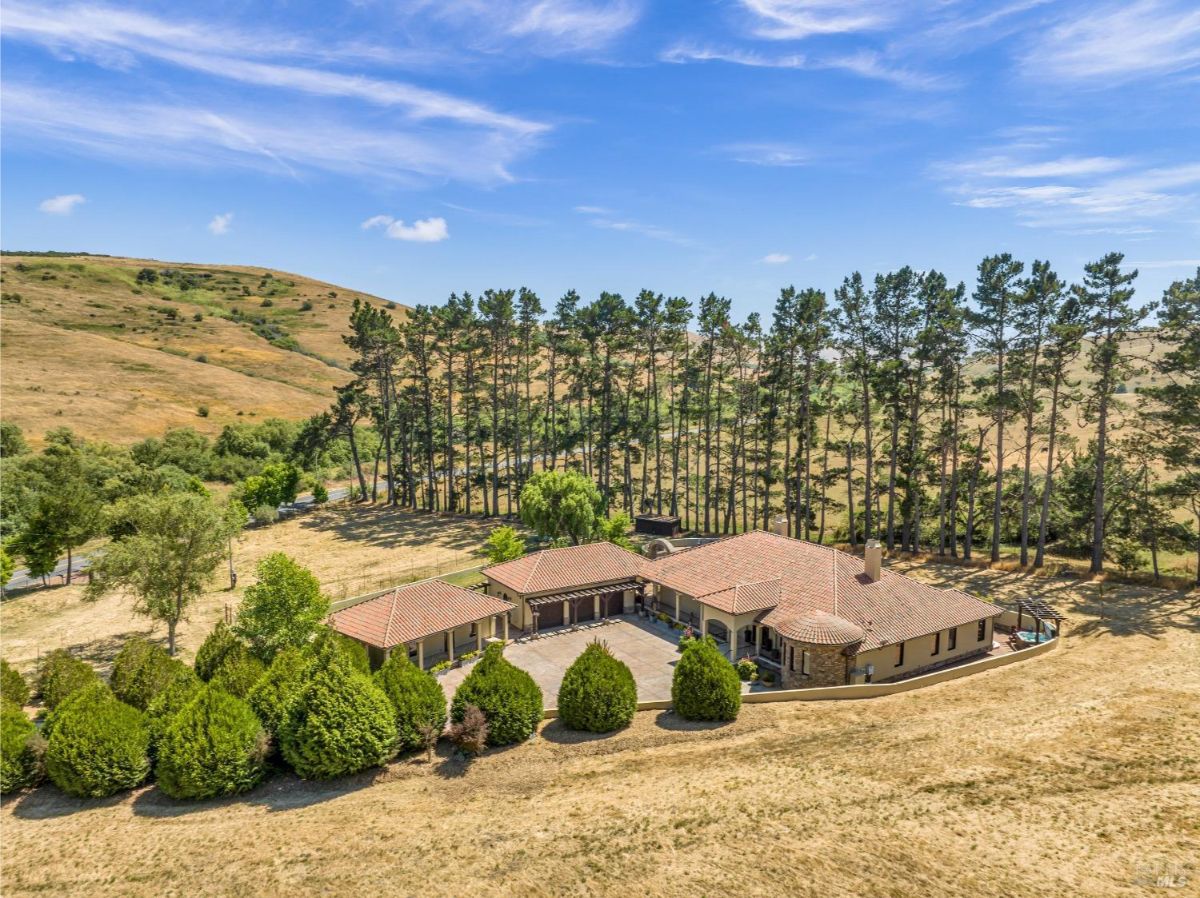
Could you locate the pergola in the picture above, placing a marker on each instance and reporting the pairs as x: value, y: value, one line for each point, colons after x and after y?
x: 1041, y: 612
x: 576, y: 595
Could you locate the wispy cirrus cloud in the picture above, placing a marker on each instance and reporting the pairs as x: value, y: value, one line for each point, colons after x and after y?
x: 775, y: 259
x: 608, y: 220
x: 63, y: 204
x: 775, y: 155
x: 424, y: 230
x: 1083, y: 194
x: 1116, y: 43
x: 546, y: 27
x: 798, y: 19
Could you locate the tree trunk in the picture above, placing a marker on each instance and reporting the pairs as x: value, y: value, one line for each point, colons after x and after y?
x: 1098, y: 490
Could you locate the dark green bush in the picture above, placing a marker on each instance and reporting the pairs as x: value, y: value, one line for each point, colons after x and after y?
x: 21, y: 750
x: 163, y: 708
x: 276, y: 691
x: 13, y: 687
x: 97, y: 745
x: 220, y: 642
x: 214, y: 746
x: 508, y: 697
x: 355, y: 651
x: 598, y: 693
x: 706, y: 686
x: 61, y: 675
x: 417, y: 697
x: 142, y: 670
x: 341, y: 722
x: 238, y: 672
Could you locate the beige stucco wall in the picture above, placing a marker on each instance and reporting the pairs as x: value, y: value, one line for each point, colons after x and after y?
x: 918, y: 653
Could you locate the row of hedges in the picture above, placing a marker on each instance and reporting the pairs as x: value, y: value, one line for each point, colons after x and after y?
x: 219, y: 729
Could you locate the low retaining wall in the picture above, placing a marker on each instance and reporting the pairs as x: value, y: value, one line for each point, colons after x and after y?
x: 871, y: 690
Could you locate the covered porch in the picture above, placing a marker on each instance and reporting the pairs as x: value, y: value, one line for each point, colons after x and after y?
x: 737, y: 635
x: 452, y: 644
x: 577, y: 606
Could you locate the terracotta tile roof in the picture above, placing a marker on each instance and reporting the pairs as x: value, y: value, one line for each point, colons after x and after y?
x: 814, y: 578
x: 570, y: 567
x: 412, y: 612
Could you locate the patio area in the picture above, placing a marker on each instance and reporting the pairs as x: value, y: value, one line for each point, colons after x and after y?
x: 649, y: 651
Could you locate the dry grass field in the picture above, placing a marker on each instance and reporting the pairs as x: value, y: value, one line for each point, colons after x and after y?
x: 87, y: 346
x: 1077, y: 773
x: 351, y: 550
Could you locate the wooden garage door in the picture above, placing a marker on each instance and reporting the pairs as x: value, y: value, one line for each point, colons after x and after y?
x: 583, y: 609
x: 550, y: 615
x: 613, y: 603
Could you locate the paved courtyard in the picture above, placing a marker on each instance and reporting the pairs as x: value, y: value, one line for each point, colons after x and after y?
x: 649, y: 650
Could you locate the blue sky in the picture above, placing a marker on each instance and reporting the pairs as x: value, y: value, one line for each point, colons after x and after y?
x: 411, y: 149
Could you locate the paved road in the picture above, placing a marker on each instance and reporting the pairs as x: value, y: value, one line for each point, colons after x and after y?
x: 79, y: 564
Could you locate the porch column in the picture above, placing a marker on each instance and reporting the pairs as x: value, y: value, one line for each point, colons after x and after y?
x: 567, y: 611
x: 758, y: 639
x: 450, y: 645
x: 506, y: 629
x: 733, y: 646
x: 421, y: 653
x: 677, y: 604
x: 703, y: 620
x: 596, y: 606
x: 479, y: 635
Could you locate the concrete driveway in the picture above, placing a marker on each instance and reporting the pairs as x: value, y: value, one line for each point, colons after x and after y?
x: 649, y: 651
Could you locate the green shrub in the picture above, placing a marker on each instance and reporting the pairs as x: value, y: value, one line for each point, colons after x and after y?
x: 598, y: 693
x: 13, y: 687
x: 238, y: 672
x: 21, y: 750
x: 169, y: 702
x: 275, y: 693
x: 705, y: 686
x: 746, y: 669
x: 214, y: 746
x: 508, y: 697
x: 142, y: 670
x: 219, y: 643
x: 441, y: 666
x: 687, y: 637
x: 97, y: 745
x: 415, y: 695
x: 353, y: 650
x: 341, y: 722
x: 285, y: 607
x: 62, y: 675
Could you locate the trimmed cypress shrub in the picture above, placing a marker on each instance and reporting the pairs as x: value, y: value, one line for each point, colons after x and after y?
x: 97, y: 746
x: 276, y: 692
x: 141, y: 670
x: 706, y: 685
x: 13, y: 687
x: 508, y: 697
x: 217, y: 644
x: 169, y: 702
x: 341, y: 722
x: 238, y: 672
x: 417, y: 697
x: 21, y: 750
x: 214, y: 746
x: 598, y: 693
x: 61, y: 675
x: 355, y: 651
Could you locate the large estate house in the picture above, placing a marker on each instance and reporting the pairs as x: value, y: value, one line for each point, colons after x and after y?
x: 821, y: 616
x: 816, y: 615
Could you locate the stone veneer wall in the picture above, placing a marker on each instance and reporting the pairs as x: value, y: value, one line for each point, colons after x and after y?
x: 826, y: 666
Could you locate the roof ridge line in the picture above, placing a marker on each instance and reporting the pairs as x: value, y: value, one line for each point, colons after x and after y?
x: 537, y: 560
x: 387, y: 629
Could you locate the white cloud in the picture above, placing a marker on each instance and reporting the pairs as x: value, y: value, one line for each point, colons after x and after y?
x: 797, y: 19
x: 425, y: 230
x: 775, y: 259
x: 1118, y: 42
x: 580, y: 25
x: 63, y: 204
x: 1088, y: 194
x: 781, y: 155
x: 220, y: 223
x: 608, y: 220
x: 593, y: 210
x: 147, y: 132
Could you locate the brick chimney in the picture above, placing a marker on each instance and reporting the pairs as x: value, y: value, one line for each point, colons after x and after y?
x: 779, y: 525
x: 873, y: 559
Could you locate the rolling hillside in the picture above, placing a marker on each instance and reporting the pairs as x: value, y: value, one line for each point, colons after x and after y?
x: 88, y: 345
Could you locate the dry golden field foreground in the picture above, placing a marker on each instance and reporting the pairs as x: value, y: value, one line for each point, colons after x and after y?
x: 1077, y: 773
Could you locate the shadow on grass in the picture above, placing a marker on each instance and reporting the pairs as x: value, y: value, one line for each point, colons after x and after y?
x: 669, y: 720
x: 283, y: 792
x: 558, y: 733
x: 48, y: 801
